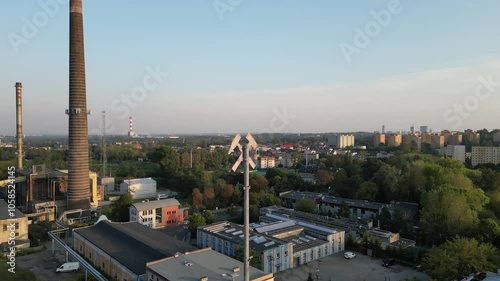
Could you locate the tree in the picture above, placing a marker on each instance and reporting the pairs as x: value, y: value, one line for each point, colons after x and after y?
x: 367, y: 191
x: 255, y: 261
x: 119, y: 208
x: 209, y: 217
x: 324, y: 178
x: 196, y: 220
x: 446, y: 213
x: 305, y: 205
x: 455, y: 259
x: 197, y: 198
x: 228, y: 193
x: 209, y: 196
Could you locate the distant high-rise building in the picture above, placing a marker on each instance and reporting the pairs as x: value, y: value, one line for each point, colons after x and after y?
x: 496, y: 137
x: 472, y: 136
x: 414, y: 141
x: 341, y: 141
x: 455, y: 151
x: 437, y: 141
x: 383, y: 129
x: 412, y: 129
x: 394, y: 140
x: 424, y: 129
x: 455, y: 139
x: 378, y: 139
x: 485, y: 155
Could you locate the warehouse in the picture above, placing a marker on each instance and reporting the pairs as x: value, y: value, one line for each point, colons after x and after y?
x: 139, y: 188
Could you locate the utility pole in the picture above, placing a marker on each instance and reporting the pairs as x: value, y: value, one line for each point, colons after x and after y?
x: 247, y: 162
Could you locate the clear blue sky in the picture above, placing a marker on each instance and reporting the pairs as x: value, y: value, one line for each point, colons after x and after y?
x: 262, y: 57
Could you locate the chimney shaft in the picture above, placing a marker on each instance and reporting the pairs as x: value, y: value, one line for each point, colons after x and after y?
x: 19, y: 124
x: 78, y: 158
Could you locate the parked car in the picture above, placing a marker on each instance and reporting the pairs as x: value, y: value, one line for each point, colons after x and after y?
x: 388, y: 262
x: 349, y: 255
x: 69, y: 266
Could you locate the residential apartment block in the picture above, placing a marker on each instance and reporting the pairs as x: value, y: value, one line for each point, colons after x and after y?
x: 455, y: 151
x: 157, y: 213
x: 394, y: 140
x: 266, y: 162
x: 378, y: 139
x: 340, y: 141
x: 485, y: 155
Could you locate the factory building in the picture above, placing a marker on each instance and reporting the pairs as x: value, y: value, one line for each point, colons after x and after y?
x: 17, y: 224
x: 139, y: 188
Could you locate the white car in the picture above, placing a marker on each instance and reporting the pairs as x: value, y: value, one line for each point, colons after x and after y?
x: 349, y: 255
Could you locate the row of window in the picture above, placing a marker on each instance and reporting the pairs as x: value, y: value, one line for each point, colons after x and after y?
x: 171, y: 212
x: 103, y: 267
x: 6, y: 225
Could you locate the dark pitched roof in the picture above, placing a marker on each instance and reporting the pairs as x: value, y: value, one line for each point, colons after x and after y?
x: 132, y: 244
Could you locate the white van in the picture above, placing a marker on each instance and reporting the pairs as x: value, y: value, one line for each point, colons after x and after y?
x: 69, y: 266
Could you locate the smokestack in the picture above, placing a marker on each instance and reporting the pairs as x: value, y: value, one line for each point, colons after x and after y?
x: 19, y: 124
x: 78, y: 159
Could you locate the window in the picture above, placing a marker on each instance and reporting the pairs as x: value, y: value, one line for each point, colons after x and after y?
x: 103, y: 265
x: 90, y: 254
x: 17, y: 225
x: 4, y: 227
x: 286, y: 253
x: 81, y: 247
x: 278, y: 255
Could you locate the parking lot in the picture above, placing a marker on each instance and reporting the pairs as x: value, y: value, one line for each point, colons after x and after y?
x: 361, y: 268
x: 43, y: 264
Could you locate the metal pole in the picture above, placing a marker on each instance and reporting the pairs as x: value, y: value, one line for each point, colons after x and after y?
x: 52, y: 246
x: 246, y: 212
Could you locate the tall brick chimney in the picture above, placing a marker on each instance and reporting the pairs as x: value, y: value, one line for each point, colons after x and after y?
x: 19, y: 124
x: 78, y: 159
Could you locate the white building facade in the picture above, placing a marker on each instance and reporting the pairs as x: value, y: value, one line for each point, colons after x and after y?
x: 485, y: 155
x: 455, y: 151
x: 341, y: 141
x: 139, y: 188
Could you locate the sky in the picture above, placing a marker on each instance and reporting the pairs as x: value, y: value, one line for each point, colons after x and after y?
x: 225, y: 66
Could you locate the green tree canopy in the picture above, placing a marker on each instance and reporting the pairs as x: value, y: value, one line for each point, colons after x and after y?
x: 455, y: 259
x: 305, y: 205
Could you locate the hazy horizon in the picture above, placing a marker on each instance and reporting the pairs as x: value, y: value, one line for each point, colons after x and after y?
x: 259, y: 67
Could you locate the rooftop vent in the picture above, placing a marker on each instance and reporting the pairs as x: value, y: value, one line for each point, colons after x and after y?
x: 186, y: 263
x: 236, y: 269
x: 204, y: 278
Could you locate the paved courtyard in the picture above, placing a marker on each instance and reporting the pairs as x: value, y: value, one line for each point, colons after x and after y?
x: 361, y: 268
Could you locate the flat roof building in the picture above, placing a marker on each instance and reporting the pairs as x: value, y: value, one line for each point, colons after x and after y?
x: 204, y: 264
x: 157, y: 213
x: 122, y: 250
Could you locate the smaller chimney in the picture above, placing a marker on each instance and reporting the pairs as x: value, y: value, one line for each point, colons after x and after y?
x: 19, y: 124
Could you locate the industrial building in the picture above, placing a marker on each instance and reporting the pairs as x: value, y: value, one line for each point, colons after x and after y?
x: 20, y: 228
x: 41, y: 190
x: 121, y: 250
x: 316, y: 225
x: 226, y: 238
x: 281, y: 242
x: 157, y: 213
x: 204, y: 264
x: 139, y: 188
